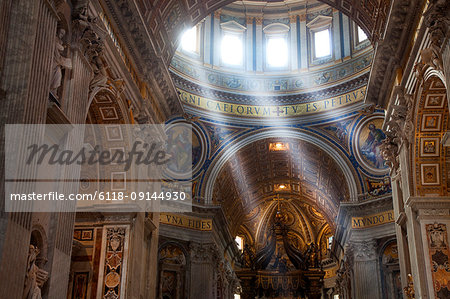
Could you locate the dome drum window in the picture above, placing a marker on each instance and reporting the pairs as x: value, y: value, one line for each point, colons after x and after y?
x: 232, y: 44
x: 276, y: 46
x: 360, y: 40
x: 320, y: 39
x: 190, y: 41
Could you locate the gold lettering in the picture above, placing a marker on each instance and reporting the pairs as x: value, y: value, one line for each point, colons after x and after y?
x: 373, y: 220
x: 186, y: 221
x: 265, y: 111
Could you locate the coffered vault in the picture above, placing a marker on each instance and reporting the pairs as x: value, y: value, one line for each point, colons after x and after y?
x: 311, y: 147
x: 291, y: 168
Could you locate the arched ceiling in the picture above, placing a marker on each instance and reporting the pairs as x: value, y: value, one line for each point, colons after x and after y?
x: 252, y: 177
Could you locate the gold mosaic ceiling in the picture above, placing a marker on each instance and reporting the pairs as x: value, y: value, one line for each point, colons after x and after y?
x: 259, y: 171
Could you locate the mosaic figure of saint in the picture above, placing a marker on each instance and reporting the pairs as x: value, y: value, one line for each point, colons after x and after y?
x: 371, y: 147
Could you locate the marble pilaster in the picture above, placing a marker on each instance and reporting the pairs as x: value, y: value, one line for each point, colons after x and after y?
x: 337, y: 36
x: 27, y: 36
x: 249, y: 45
x: 293, y: 42
x: 203, y: 262
x: 346, y: 35
x: 303, y: 43
x: 207, y: 42
x: 217, y: 39
x: 365, y: 265
x: 259, y: 43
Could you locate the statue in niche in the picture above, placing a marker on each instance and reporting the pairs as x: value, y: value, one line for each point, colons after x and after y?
x: 59, y: 62
x: 81, y: 19
x: 35, y: 277
x: 99, y: 66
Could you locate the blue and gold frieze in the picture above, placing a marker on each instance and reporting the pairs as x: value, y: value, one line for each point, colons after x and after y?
x: 261, y: 84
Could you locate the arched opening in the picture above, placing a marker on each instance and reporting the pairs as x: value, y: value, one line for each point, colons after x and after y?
x: 106, y: 116
x: 279, y: 196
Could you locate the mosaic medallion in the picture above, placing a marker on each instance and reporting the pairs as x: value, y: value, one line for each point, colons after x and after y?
x: 368, y: 139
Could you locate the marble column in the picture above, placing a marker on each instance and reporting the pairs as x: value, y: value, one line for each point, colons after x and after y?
x: 27, y: 37
x: 366, y: 278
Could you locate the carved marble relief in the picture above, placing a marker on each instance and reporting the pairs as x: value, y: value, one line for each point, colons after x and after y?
x: 115, y: 256
x: 172, y: 272
x: 439, y: 259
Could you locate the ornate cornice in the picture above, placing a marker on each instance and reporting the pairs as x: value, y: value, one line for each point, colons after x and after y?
x: 273, y: 99
x: 391, y: 48
x: 130, y: 25
x: 348, y: 209
x: 250, y: 83
x: 428, y: 203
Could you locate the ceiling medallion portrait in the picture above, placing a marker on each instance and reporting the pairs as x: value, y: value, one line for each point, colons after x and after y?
x: 188, y: 136
x: 366, y: 145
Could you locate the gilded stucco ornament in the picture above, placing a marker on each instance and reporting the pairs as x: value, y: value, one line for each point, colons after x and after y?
x: 409, y: 290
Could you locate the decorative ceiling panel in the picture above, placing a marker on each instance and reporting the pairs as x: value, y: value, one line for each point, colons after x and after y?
x: 251, y: 177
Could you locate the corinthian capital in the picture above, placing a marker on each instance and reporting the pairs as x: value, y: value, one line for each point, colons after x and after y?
x: 203, y: 253
x: 363, y: 251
